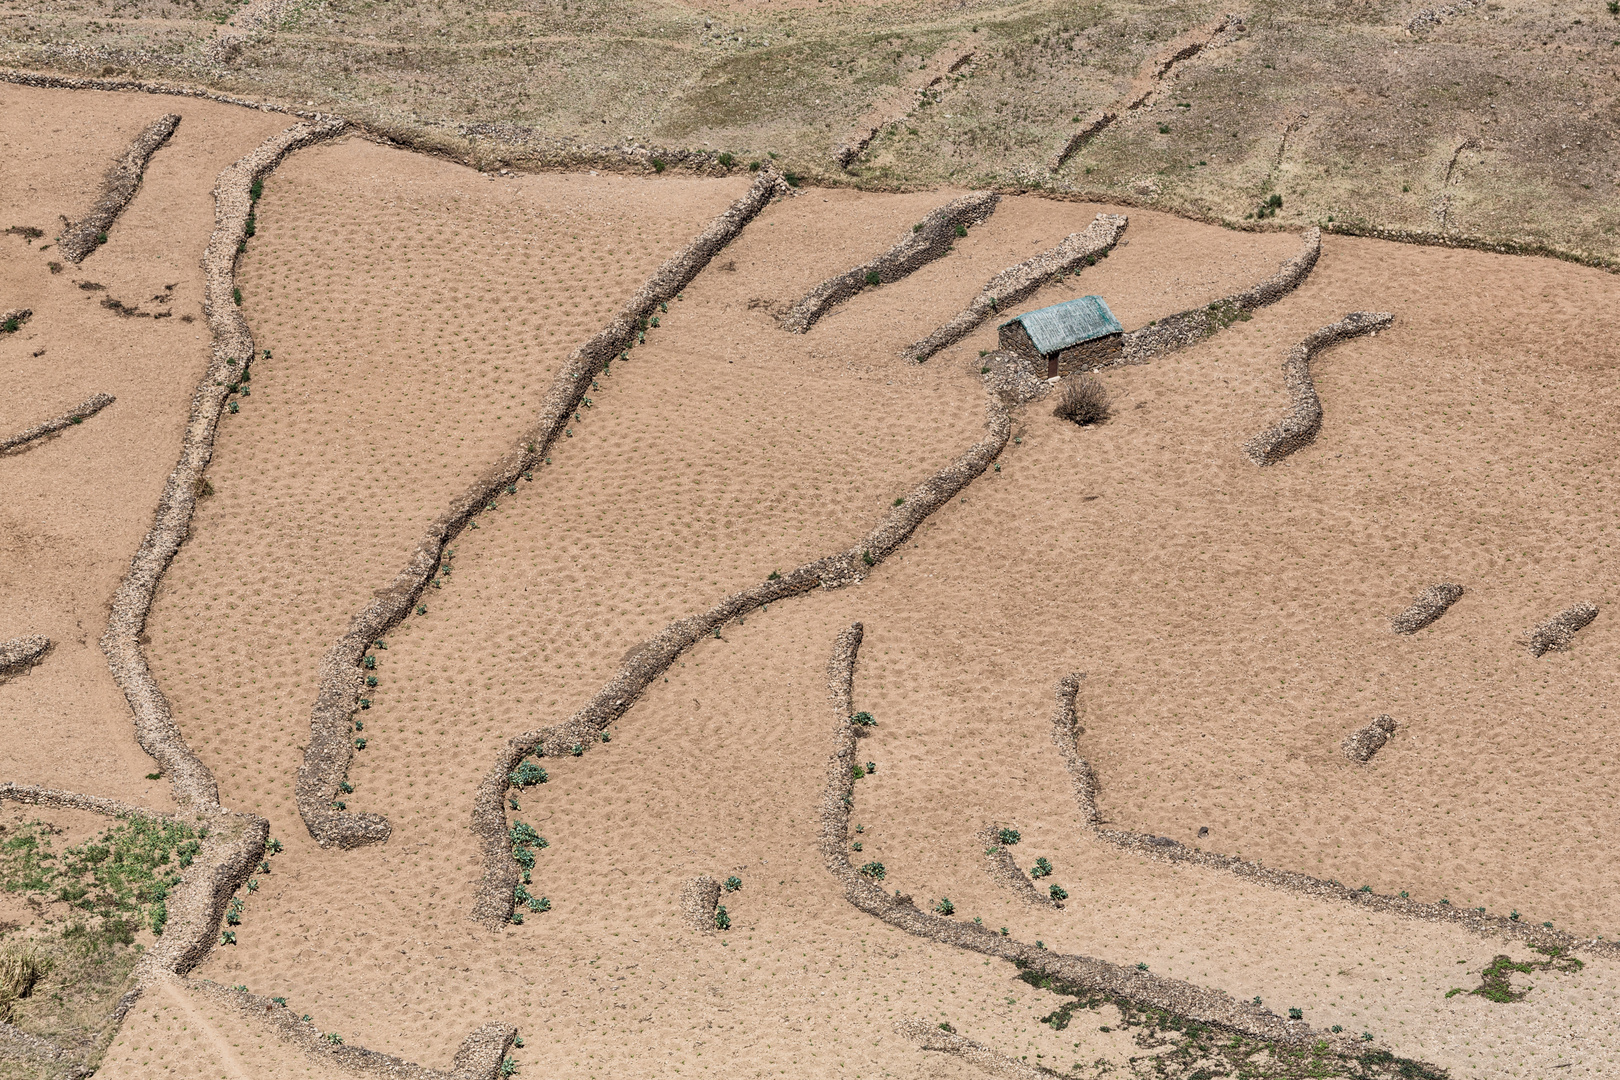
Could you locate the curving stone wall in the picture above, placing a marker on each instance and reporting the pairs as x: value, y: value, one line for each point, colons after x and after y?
x: 1426, y: 608
x: 492, y: 904
x: 1017, y: 282
x: 194, y: 786
x: 1189, y: 327
x: 22, y: 653
x: 699, y: 899
x: 76, y: 415
x: 1065, y: 727
x: 123, y: 179
x: 1006, y: 871
x: 933, y: 1037
x: 1299, y: 428
x: 1155, y: 991
x: 916, y: 249
x: 479, y: 1057
x: 1360, y: 746
x: 1555, y: 634
x: 331, y: 748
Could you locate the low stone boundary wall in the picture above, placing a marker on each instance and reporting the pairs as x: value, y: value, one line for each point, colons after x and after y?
x: 194, y: 786
x: 1426, y: 608
x: 1095, y: 125
x: 479, y: 1057
x: 21, y: 653
x: 1189, y: 327
x: 21, y: 315
x: 1360, y: 746
x: 76, y: 415
x: 1005, y: 869
x: 1304, y: 420
x: 1155, y: 991
x: 1065, y: 728
x: 1017, y: 282
x: 493, y: 898
x: 933, y: 1037
x: 700, y: 897
x: 919, y: 247
x: 331, y: 748
x: 123, y: 180
x: 1555, y: 634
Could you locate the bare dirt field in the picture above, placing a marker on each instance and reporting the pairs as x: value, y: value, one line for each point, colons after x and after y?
x: 412, y: 317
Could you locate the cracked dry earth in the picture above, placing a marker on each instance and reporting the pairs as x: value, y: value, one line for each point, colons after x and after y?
x: 1233, y: 622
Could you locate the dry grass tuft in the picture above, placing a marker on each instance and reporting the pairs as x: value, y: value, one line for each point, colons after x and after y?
x: 19, y: 971
x: 1082, y: 398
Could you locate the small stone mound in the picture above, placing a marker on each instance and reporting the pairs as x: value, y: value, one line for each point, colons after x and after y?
x: 699, y: 898
x: 20, y: 653
x: 1012, y: 378
x: 1429, y: 606
x: 1555, y: 634
x: 1361, y: 745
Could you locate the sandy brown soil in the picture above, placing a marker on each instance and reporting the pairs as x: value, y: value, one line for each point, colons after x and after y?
x: 78, y: 503
x: 1232, y: 622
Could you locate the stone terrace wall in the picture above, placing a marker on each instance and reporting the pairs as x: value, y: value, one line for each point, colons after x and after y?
x: 20, y: 653
x: 194, y: 786
x: 123, y: 179
x: 930, y: 240
x: 76, y: 415
x: 1017, y: 282
x: 1299, y: 428
x: 1555, y: 634
x: 1155, y: 991
x: 1186, y: 328
x: 495, y: 892
x: 331, y: 748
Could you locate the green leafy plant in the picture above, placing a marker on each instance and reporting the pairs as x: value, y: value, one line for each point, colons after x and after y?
x: 1296, y: 1014
x: 508, y: 1066
x: 866, y: 557
x: 733, y: 883
x: 873, y: 870
x: 725, y: 160
x: 862, y: 719
x: 1057, y: 892
x: 722, y: 921
x: 227, y: 937
x: 527, y: 774
x: 1008, y: 836
x: 945, y: 907
x: 961, y: 230
x: 236, y: 294
x: 658, y: 165
x: 1042, y: 868
x: 874, y: 278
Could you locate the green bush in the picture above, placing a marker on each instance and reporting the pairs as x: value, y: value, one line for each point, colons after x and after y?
x: 945, y: 907
x: 961, y: 230
x: 873, y: 870
x: 873, y: 278
x: 227, y: 937
x: 527, y: 774
x: 1008, y: 836
x: 722, y: 921
x: 1041, y: 869
x: 658, y: 165
x: 523, y: 833
x: 733, y: 883
x: 1057, y: 892
x: 726, y: 159
x: 862, y: 719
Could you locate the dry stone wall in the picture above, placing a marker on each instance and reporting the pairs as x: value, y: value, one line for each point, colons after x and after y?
x: 1066, y: 727
x: 934, y: 1037
x: 1304, y: 420
x: 495, y: 892
x: 1555, y: 634
x: 930, y: 240
x: 1426, y: 608
x: 699, y: 899
x: 1017, y: 282
x: 1172, y: 995
x: 1006, y: 871
x: 479, y: 1057
x: 194, y: 786
x: 1189, y: 327
x: 76, y: 415
x: 22, y: 653
x: 1360, y: 746
x: 123, y: 180
x: 331, y: 746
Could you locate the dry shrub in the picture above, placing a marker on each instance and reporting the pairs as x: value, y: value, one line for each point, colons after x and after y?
x: 19, y: 971
x: 1082, y: 398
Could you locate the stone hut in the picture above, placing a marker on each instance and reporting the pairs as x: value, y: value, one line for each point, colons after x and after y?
x: 1065, y: 337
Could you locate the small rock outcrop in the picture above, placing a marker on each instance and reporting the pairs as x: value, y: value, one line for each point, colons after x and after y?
x: 1429, y: 606
x: 1361, y: 745
x: 1555, y: 634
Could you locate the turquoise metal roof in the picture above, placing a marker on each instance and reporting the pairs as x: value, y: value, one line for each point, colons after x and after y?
x: 1069, y: 323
